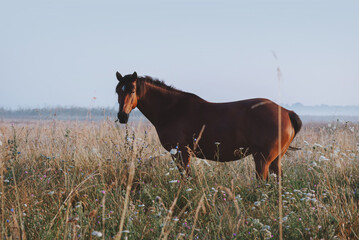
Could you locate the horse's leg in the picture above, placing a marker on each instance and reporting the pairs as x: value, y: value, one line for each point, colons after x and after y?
x: 261, y: 166
x: 263, y: 161
x: 275, y: 166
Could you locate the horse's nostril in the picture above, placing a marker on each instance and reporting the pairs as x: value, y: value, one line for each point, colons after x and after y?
x: 123, y: 117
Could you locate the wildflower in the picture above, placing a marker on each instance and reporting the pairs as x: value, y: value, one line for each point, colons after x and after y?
x: 6, y: 180
x: 166, y: 174
x: 175, y: 219
x: 141, y: 205
x: 12, y: 210
x: 51, y: 193
x: 266, y: 227
x: 267, y: 233
x: 103, y: 192
x: 313, y: 164
x: 285, y: 219
x: 273, y: 175
x: 25, y: 205
x: 173, y: 151
x: 96, y: 233
x: 189, y: 189
x: 217, y: 143
x: 323, y: 158
x: 257, y: 204
x: 173, y: 181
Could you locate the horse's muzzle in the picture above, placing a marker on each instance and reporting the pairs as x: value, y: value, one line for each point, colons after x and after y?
x: 123, y: 117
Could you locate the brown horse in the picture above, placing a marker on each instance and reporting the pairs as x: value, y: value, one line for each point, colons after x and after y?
x: 232, y: 130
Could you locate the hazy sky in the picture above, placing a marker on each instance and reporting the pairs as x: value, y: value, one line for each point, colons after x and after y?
x: 67, y: 52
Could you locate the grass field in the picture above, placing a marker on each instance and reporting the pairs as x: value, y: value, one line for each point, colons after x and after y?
x: 94, y: 180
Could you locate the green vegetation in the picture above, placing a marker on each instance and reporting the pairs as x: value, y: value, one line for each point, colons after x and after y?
x: 81, y: 180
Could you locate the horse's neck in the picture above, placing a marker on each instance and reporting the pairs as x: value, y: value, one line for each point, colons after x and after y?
x: 156, y: 103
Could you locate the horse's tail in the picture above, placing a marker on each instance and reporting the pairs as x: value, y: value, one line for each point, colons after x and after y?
x: 296, y: 122
x: 297, y: 125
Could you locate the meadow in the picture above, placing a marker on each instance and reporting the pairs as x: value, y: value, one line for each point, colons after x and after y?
x: 102, y: 180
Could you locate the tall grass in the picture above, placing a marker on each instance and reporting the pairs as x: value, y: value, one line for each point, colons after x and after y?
x: 88, y: 180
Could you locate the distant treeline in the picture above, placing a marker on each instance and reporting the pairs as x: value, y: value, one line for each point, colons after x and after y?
x: 321, y: 113
x: 324, y: 110
x: 62, y: 113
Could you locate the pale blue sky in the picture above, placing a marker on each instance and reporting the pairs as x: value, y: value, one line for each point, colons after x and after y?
x: 67, y: 52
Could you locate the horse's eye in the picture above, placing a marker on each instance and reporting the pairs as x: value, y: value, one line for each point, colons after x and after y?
x: 123, y: 88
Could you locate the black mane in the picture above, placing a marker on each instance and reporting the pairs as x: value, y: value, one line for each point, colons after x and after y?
x: 158, y: 83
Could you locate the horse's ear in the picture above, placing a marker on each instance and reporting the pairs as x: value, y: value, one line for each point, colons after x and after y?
x: 134, y: 76
x: 119, y: 76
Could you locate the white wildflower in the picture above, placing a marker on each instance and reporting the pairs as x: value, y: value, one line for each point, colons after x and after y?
x: 318, y: 145
x: 313, y: 164
x: 257, y: 204
x: 173, y: 181
x: 267, y: 233
x: 173, y: 151
x: 141, y: 205
x: 125, y: 231
x: 166, y: 174
x: 323, y: 158
x: 51, y: 193
x: 96, y: 234
x: 313, y: 200
x: 273, y: 175
x: 266, y: 227
x: 189, y: 189
x: 175, y: 219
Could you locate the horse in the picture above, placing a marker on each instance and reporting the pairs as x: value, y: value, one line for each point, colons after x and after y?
x: 230, y: 131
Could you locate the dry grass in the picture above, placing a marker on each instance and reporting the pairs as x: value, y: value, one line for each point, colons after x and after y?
x: 74, y: 180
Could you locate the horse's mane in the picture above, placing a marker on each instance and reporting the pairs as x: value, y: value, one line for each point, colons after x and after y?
x: 158, y: 83
x: 163, y: 85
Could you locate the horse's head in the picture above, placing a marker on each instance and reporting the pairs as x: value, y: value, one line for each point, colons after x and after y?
x: 127, y: 95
